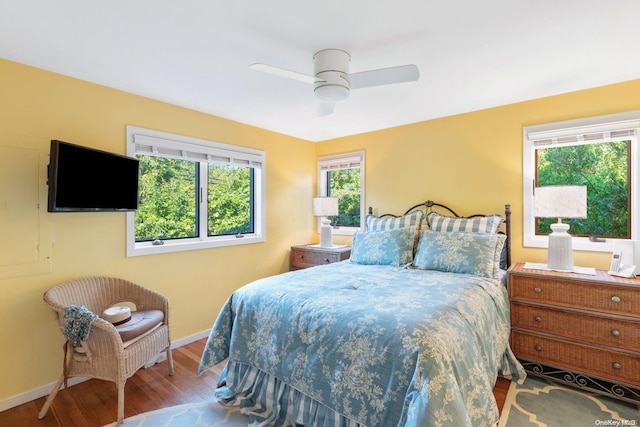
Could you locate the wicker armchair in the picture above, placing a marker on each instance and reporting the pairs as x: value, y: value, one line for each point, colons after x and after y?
x: 103, y: 354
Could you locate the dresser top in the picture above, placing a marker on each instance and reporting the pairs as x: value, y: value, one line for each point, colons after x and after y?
x: 600, y: 276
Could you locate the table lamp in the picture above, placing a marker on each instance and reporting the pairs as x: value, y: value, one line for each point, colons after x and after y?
x: 560, y: 201
x: 324, y: 207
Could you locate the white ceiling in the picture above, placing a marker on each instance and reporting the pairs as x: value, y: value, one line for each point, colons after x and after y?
x: 196, y: 53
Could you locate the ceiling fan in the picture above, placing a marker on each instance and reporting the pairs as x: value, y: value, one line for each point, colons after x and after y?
x: 332, y: 81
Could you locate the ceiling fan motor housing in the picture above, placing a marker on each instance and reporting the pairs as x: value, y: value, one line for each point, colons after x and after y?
x: 331, y: 67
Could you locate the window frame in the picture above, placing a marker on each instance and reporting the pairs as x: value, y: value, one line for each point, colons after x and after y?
x: 336, y: 162
x: 147, y: 141
x: 576, y: 130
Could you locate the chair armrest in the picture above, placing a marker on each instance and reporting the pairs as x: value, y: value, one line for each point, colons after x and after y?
x: 101, y: 356
x: 105, y: 336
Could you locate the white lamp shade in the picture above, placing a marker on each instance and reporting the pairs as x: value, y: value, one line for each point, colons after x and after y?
x: 325, y: 206
x: 561, y: 201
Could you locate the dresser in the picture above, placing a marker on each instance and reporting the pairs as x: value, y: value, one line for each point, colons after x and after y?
x: 583, y: 330
x: 305, y: 256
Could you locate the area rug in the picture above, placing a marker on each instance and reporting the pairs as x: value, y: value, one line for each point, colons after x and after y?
x: 542, y: 403
x: 208, y: 414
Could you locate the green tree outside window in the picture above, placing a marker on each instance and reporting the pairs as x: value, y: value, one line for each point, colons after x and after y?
x: 604, y: 169
x: 345, y: 185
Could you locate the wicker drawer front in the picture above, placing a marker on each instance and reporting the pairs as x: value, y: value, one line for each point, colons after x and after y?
x: 571, y: 293
x: 595, y: 361
x: 613, y: 332
x: 303, y: 259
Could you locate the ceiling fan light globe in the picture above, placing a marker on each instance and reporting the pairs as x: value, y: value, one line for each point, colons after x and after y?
x: 331, y: 93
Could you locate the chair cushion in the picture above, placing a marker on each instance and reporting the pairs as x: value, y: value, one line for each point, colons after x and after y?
x: 141, y: 322
x: 126, y: 344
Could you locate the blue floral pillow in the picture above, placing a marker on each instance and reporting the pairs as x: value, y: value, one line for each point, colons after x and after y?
x: 458, y: 252
x: 386, y: 247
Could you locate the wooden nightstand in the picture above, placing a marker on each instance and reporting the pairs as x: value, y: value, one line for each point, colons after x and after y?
x: 305, y: 256
x: 580, y: 329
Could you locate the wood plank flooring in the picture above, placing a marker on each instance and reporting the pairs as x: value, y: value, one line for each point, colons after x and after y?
x: 94, y: 402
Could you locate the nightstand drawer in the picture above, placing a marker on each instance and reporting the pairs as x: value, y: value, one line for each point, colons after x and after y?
x: 614, y: 365
x: 303, y: 258
x: 618, y: 333
x: 573, y: 293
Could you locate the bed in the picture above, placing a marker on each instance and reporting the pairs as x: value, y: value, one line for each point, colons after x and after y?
x: 413, y: 330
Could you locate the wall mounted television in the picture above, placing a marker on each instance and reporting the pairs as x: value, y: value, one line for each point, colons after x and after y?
x: 83, y: 179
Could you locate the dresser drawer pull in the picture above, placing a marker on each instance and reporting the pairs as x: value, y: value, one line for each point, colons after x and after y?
x: 537, y: 290
x: 538, y: 319
x: 616, y: 365
x: 301, y: 256
x: 538, y: 347
x: 327, y: 260
x: 615, y: 298
x: 615, y: 333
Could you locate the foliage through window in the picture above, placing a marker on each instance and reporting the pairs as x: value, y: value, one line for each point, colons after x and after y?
x: 342, y: 176
x: 345, y: 185
x: 194, y: 194
x: 230, y: 196
x: 167, y: 208
x: 600, y: 153
x: 604, y: 169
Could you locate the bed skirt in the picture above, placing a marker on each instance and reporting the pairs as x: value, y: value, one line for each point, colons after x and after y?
x: 268, y: 401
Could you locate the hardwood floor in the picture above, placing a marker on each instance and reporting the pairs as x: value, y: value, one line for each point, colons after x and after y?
x: 94, y: 402
x: 500, y: 392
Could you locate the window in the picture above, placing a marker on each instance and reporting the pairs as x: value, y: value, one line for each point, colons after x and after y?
x: 194, y: 194
x: 342, y: 176
x: 600, y: 153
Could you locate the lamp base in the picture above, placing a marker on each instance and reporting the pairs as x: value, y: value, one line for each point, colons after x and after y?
x: 326, y: 234
x: 560, y: 254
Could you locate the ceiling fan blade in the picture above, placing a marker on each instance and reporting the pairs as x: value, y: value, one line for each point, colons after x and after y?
x: 324, y: 108
x: 384, y: 76
x: 284, y: 73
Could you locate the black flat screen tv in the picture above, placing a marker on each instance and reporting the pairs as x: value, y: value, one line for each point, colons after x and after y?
x: 82, y: 179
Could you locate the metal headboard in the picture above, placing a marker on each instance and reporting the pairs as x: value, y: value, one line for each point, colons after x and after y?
x: 431, y: 206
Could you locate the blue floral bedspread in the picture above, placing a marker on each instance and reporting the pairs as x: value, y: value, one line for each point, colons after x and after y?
x: 368, y: 345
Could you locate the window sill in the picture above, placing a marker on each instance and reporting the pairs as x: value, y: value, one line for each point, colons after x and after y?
x: 168, y: 246
x: 344, y: 231
x: 580, y: 244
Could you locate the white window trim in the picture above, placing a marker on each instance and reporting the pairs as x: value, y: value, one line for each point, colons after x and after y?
x: 178, y: 146
x: 576, y: 129
x: 342, y: 161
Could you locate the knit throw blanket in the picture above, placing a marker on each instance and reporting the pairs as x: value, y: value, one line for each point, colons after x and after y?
x: 77, y: 322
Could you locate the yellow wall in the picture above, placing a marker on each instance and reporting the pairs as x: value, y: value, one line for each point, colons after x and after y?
x: 472, y: 162
x: 37, y: 106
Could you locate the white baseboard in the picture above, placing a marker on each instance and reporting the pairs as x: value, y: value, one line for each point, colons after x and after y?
x: 34, y: 394
x: 190, y: 339
x: 39, y: 392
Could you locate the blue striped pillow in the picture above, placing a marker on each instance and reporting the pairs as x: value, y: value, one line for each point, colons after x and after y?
x: 485, y: 224
x: 412, y: 219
